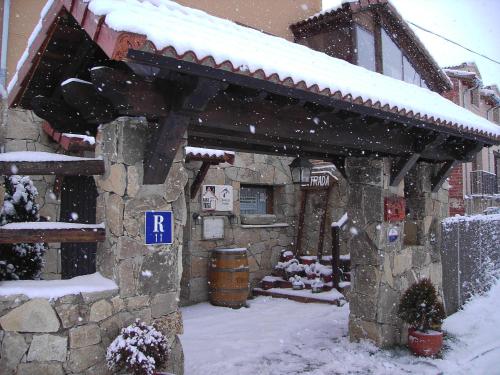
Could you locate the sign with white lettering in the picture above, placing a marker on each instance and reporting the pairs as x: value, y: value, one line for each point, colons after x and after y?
x: 320, y: 180
x: 159, y: 227
x: 217, y: 198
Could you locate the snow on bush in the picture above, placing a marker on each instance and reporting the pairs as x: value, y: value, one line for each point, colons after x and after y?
x: 23, y: 260
x: 139, y: 348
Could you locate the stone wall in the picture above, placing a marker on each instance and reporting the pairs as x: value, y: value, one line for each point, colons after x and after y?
x: 21, y: 130
x: 263, y: 243
x: 147, y: 276
x: 382, y: 270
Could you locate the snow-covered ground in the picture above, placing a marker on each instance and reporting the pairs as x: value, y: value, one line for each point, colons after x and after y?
x: 283, y: 337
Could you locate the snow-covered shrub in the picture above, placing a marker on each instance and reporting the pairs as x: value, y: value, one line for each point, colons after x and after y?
x: 297, y: 282
x: 138, y: 348
x: 317, y: 269
x: 289, y: 268
x: 23, y: 260
x: 420, y: 308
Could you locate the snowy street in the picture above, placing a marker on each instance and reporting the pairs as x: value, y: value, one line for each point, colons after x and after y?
x: 277, y: 336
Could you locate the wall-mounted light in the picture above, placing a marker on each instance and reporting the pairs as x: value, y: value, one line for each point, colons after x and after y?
x: 301, y: 171
x: 197, y: 218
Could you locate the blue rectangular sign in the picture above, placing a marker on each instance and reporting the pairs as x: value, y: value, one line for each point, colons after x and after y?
x: 159, y: 227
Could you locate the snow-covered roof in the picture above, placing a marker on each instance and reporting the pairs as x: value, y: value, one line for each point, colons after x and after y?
x: 335, y: 7
x: 209, y: 153
x: 37, y: 156
x: 173, y: 30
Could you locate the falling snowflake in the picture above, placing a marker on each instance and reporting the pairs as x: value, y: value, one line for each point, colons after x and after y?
x: 146, y: 273
x: 252, y: 129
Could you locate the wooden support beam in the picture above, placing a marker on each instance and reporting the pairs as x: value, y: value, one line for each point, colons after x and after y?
x: 444, y: 172
x: 86, y: 99
x: 168, y: 137
x: 403, y: 166
x: 300, y: 228
x: 84, y: 233
x: 130, y: 94
x: 88, y: 167
x: 339, y: 163
x: 199, y: 178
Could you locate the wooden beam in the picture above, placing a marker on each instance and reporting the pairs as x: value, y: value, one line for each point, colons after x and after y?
x: 168, y: 137
x: 403, y: 166
x: 89, y: 167
x: 146, y: 63
x: 444, y: 172
x: 300, y: 227
x: 60, y: 115
x: 199, y: 178
x: 130, y: 94
x: 10, y: 236
x: 86, y: 99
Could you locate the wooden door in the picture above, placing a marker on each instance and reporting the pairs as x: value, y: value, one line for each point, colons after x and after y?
x: 78, y: 205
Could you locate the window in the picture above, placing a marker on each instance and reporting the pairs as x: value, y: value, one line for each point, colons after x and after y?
x: 474, y: 97
x: 410, y: 75
x: 496, y: 115
x: 365, y: 48
x: 392, y: 57
x: 256, y: 200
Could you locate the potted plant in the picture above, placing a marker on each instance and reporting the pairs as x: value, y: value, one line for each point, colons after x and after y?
x: 421, y: 309
x: 139, y: 348
x: 297, y: 283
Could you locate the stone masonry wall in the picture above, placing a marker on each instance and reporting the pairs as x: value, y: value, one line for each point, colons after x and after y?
x: 382, y: 270
x: 21, y: 130
x: 263, y: 244
x: 148, y: 276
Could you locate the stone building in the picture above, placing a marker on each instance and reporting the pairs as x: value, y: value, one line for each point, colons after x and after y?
x: 475, y: 185
x: 146, y: 103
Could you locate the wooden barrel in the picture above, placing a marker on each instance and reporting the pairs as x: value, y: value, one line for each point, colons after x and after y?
x: 228, y: 277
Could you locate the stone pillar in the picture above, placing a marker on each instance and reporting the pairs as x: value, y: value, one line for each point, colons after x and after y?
x: 373, y: 297
x: 148, y: 276
x: 383, y: 270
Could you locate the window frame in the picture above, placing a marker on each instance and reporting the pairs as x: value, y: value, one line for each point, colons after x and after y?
x: 269, y: 190
x: 357, y: 28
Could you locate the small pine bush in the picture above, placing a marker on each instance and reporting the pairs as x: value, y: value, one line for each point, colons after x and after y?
x: 420, y: 307
x: 23, y: 260
x: 139, y: 348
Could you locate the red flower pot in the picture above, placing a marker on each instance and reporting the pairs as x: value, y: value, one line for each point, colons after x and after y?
x: 425, y: 344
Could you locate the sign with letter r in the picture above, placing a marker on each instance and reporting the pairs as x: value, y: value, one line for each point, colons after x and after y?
x: 159, y: 227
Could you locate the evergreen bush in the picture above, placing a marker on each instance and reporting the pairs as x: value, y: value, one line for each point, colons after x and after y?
x: 139, y: 348
x: 23, y: 260
x: 420, y: 307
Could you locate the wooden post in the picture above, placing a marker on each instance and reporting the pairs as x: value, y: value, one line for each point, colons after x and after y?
x: 321, y: 237
x: 335, y: 255
x: 199, y: 178
x: 300, y: 228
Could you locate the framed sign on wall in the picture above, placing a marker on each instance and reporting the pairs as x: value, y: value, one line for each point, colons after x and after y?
x: 217, y: 198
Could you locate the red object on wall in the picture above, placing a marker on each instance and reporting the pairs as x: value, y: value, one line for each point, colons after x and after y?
x: 394, y: 209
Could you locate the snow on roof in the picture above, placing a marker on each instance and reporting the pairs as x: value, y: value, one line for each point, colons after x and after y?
x: 34, y: 156
x: 331, y: 6
x: 460, y: 73
x: 206, y: 152
x: 46, y: 225
x: 57, y: 288
x: 169, y: 24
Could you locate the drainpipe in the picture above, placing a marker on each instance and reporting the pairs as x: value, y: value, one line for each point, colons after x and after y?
x: 5, y: 42
x: 3, y: 71
x: 489, y: 153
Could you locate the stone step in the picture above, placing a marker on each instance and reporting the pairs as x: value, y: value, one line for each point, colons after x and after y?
x: 332, y: 297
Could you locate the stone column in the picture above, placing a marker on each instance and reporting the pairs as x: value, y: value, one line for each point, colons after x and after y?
x: 373, y: 297
x: 148, y: 276
x: 383, y: 270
